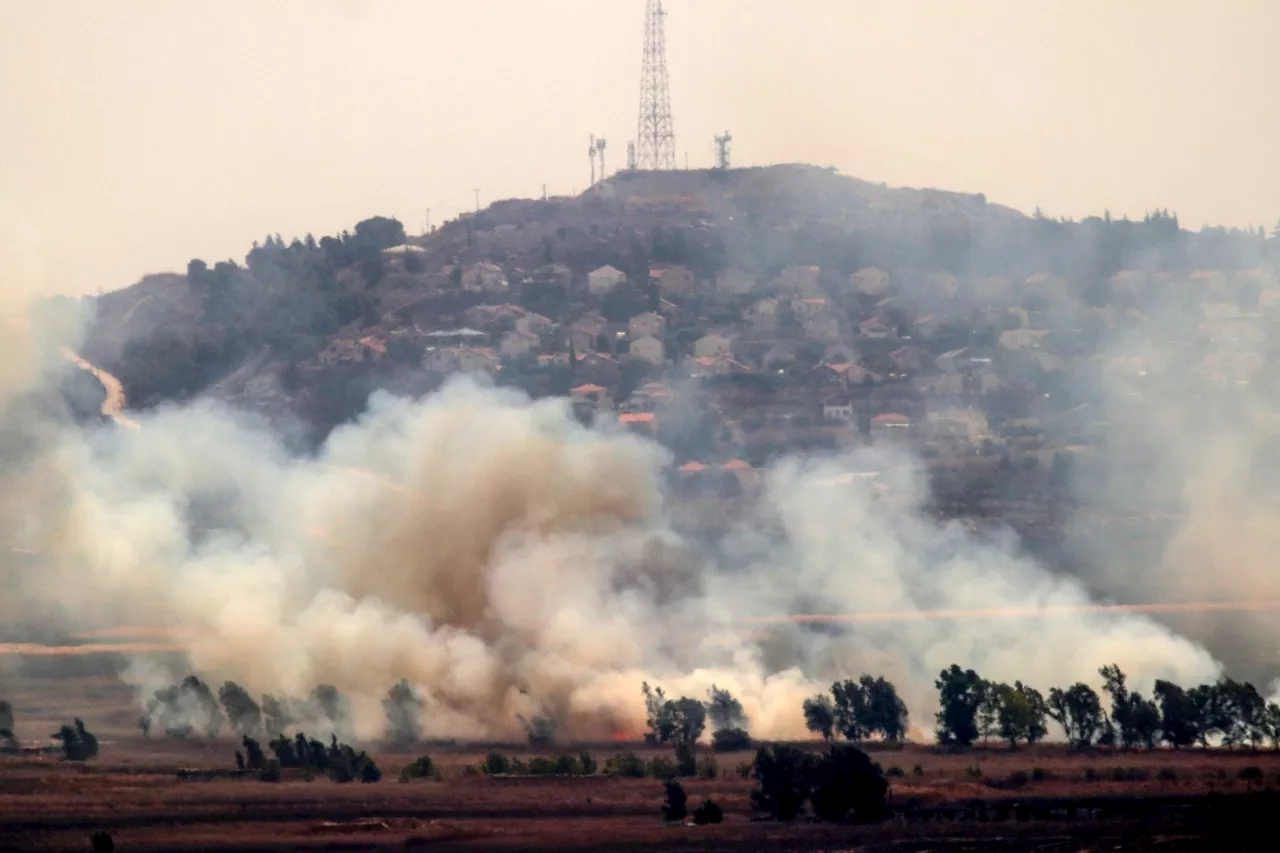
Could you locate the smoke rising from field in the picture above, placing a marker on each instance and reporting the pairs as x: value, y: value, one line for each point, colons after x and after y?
x: 509, y: 562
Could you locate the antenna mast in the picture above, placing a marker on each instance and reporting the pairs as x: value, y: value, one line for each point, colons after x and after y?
x: 655, y: 139
x: 600, y: 144
x: 591, y: 153
x: 631, y: 156
x: 722, y: 150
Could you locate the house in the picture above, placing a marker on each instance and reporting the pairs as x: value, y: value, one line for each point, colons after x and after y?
x: 643, y: 423
x: 589, y: 397
x: 551, y: 275
x: 593, y: 323
x: 958, y: 426
x: 718, y: 365
x: 583, y: 339
x: 944, y: 283
x: 870, y: 281
x: 801, y: 281
x: 838, y: 411
x: 712, y: 344
x: 805, y: 307
x: 461, y: 360
x: 647, y: 323
x: 778, y: 356
x: 366, y: 350
x: 875, y: 328
x: 839, y: 354
x: 908, y: 359
x: 1020, y: 339
x: 517, y: 344
x: 691, y: 469
x: 486, y: 316
x: 484, y: 277
x: 996, y: 288
x: 603, y: 279
x: 890, y: 426
x: 824, y: 328
x: 1208, y: 281
x: 404, y: 249
x: 762, y: 315
x: 455, y: 337
x: 953, y: 361
x: 1052, y: 288
x: 746, y: 476
x: 598, y: 368
x: 673, y: 278
x: 648, y: 348
x: 926, y: 326
x: 735, y: 282
x: 1129, y: 282
x: 534, y: 324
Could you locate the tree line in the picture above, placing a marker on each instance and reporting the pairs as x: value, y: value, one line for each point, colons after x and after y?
x: 971, y: 708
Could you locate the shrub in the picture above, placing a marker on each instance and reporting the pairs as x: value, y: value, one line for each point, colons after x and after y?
x: 744, y: 770
x: 686, y: 759
x: 308, y: 775
x: 708, y: 812
x: 783, y: 781
x: 1018, y: 779
x: 470, y: 770
x: 674, y: 806
x: 270, y: 771
x: 1166, y: 775
x: 568, y: 765
x: 496, y: 764
x: 707, y: 768
x: 626, y: 765
x: 847, y: 780
x: 587, y: 763
x: 661, y: 768
x: 369, y: 771
x: 895, y: 771
x: 421, y: 768
x: 542, y: 766
x: 1039, y: 775
x: 254, y: 758
x: 974, y: 772
x: 1090, y: 775
x: 918, y: 770
x: 78, y: 743
x: 1250, y: 774
x: 730, y: 740
x: 101, y: 842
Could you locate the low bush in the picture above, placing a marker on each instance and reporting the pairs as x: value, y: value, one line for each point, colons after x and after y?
x: 1038, y: 775
x: 917, y: 770
x: 421, y: 768
x: 1091, y: 775
x: 626, y: 765
x: 496, y: 764
x: 744, y: 770
x: 974, y: 772
x: 101, y: 842
x: 730, y: 740
x: 1250, y: 774
x: 895, y: 771
x: 78, y: 743
x: 1166, y: 775
x: 661, y: 768
x: 707, y: 768
x: 708, y: 812
x: 846, y: 781
x: 587, y: 763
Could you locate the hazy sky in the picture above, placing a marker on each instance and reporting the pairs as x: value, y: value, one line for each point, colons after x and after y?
x: 137, y: 134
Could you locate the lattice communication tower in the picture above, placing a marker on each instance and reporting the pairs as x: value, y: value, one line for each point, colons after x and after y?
x: 655, y: 139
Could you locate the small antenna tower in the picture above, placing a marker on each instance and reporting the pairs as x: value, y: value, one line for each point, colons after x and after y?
x: 722, y: 150
x: 631, y: 156
x: 600, y: 144
x: 591, y: 154
x: 655, y: 139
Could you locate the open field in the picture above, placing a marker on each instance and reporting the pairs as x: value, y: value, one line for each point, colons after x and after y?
x: 1163, y: 800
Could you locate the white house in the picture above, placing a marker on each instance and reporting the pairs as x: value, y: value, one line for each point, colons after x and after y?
x: 601, y: 281
x: 517, y: 344
x: 712, y: 345
x: 735, y: 282
x: 647, y: 323
x: 648, y: 348
x: 870, y: 281
x: 838, y: 411
x: 484, y: 277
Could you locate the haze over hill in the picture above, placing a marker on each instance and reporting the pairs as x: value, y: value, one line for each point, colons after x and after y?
x: 723, y: 397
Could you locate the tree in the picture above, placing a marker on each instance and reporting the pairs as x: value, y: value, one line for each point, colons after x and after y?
x: 254, y: 757
x: 380, y: 232
x: 847, y: 780
x: 689, y: 718
x: 959, y: 695
x: 852, y: 719
x: 783, y: 777
x: 197, y: 271
x: 1206, y: 700
x: 1243, y: 711
x: 724, y: 711
x: 1079, y: 711
x: 242, y: 712
x: 1020, y: 715
x: 988, y: 717
x: 1179, y: 725
x: 6, y: 716
x: 1271, y: 724
x: 819, y: 715
x: 78, y: 743
x: 886, y: 712
x: 403, y: 708
x: 657, y: 719
x: 276, y: 715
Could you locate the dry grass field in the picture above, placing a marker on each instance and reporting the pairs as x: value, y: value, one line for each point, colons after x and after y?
x: 132, y: 791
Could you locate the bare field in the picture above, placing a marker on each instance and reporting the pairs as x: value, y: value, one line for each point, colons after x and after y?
x: 132, y: 790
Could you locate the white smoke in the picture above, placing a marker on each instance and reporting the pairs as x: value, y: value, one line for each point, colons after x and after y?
x: 508, y: 561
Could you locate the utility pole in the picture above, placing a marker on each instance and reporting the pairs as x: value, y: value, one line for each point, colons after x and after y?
x: 655, y: 138
x: 477, y: 192
x: 722, y: 150
x: 591, y: 155
x: 544, y: 192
